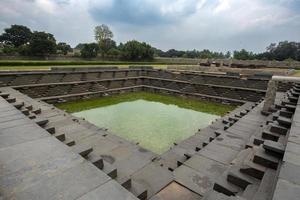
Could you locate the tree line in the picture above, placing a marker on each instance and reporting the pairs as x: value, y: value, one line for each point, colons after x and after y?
x: 20, y: 40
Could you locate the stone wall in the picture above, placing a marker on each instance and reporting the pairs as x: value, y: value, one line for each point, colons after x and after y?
x: 61, y: 85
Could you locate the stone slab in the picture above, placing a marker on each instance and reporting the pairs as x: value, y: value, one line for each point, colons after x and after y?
x: 109, y: 191
x: 20, y: 134
x: 286, y: 190
x: 218, y: 153
x: 153, y: 177
x: 206, y: 166
x: 193, y: 179
x: 176, y: 191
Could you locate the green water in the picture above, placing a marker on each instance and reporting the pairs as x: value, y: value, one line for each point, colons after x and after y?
x: 156, y: 126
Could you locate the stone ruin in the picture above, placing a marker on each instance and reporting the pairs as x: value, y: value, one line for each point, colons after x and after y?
x: 45, y: 153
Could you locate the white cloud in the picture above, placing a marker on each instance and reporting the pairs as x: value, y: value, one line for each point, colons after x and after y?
x: 182, y: 24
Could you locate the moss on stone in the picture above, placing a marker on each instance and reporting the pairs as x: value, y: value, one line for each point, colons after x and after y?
x: 197, y: 105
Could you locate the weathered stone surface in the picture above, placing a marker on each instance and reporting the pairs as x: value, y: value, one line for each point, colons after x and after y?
x: 218, y: 153
x: 109, y: 191
x: 153, y: 177
x: 175, y: 191
x: 286, y: 190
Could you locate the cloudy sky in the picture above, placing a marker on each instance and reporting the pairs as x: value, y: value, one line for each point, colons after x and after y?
x: 182, y: 24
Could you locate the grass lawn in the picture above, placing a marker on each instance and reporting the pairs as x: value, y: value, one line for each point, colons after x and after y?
x: 197, y: 105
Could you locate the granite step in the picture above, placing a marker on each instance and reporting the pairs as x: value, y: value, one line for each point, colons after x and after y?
x: 240, y: 179
x: 82, y: 150
x: 214, y: 195
x: 96, y: 160
x: 11, y: 100
x: 290, y: 108
x: 125, y: 182
x: 293, y: 99
x: 37, y: 111
x: 69, y: 142
x: 285, y: 113
x: 268, y: 135
x: 250, y: 191
x: 18, y: 105
x: 275, y: 127
x: 4, y: 95
x: 285, y: 122
x: 25, y: 111
x: 60, y: 136
x: 41, y: 121
x: 250, y: 168
x: 50, y: 129
x: 32, y: 116
x: 29, y: 107
x: 225, y: 187
x: 138, y: 190
x: 275, y: 147
x: 110, y: 170
x: 264, y: 159
x: 265, y: 189
x: 287, y: 102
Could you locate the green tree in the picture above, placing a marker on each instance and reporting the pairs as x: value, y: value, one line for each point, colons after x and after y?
x: 134, y: 50
x: 16, y: 35
x: 79, y: 46
x: 103, y: 36
x: 42, y: 44
x: 64, y: 48
x: 89, y: 50
x: 106, y: 45
x: 243, y: 55
x: 103, y: 32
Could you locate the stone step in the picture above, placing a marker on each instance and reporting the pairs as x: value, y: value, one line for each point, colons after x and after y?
x: 41, y: 121
x: 283, y: 121
x: 96, y: 160
x: 250, y: 191
x: 25, y: 111
x: 235, y: 119
x: 223, y: 186
x: 37, y: 111
x: 285, y: 113
x: 243, y: 113
x: 268, y: 135
x: 264, y: 159
x: 239, y: 179
x: 287, y: 102
x: 110, y: 170
x: 11, y: 99
x: 50, y: 130
x: 265, y: 189
x: 69, y: 142
x: 138, y: 190
x: 275, y: 116
x: 31, y: 116
x: 125, y: 182
x: 214, y: 195
x: 250, y: 168
x: 82, y: 150
x: 293, y: 99
x: 4, y: 95
x: 290, y: 108
x: 276, y: 128
x: 275, y: 147
x: 29, y: 107
x: 242, y: 155
x: 18, y: 105
x: 60, y: 136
